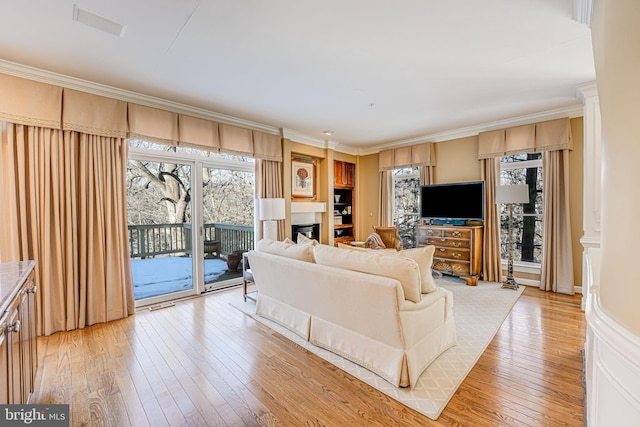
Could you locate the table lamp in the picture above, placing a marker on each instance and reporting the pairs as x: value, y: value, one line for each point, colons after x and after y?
x: 271, y: 210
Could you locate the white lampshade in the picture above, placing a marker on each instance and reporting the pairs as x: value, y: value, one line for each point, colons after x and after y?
x: 271, y: 209
x: 512, y: 193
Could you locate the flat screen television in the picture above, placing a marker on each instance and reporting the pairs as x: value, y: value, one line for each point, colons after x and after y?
x: 452, y: 203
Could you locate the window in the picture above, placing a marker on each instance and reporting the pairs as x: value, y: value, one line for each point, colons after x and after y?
x: 527, y: 217
x: 406, y: 204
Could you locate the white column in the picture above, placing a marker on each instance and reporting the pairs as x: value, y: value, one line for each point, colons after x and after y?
x: 591, y: 177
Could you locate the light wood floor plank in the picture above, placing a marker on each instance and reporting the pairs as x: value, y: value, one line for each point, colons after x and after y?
x: 204, y: 363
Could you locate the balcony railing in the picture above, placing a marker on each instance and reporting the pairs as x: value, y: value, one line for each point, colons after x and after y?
x: 149, y: 241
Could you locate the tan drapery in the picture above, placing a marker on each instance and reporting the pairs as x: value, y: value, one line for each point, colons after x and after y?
x: 426, y: 175
x: 491, y: 260
x: 557, y: 260
x: 268, y: 175
x: 64, y: 206
x: 553, y: 139
x: 385, y: 209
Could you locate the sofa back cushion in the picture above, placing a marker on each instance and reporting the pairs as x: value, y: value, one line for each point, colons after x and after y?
x: 423, y: 256
x: 405, y: 270
x: 288, y: 250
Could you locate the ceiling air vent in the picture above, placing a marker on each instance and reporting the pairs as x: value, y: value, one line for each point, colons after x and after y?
x: 98, y: 22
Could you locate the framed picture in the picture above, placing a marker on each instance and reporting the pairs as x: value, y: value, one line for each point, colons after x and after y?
x: 303, y: 178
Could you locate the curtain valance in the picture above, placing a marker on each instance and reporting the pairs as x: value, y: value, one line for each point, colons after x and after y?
x: 29, y: 102
x: 26, y: 102
x: 411, y: 156
x: 94, y: 114
x: 544, y: 136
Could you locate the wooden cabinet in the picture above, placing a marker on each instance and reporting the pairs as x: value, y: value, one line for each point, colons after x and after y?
x: 18, y: 341
x: 458, y: 249
x: 344, y: 202
x: 344, y: 174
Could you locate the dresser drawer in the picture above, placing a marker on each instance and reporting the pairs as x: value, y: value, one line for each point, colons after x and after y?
x: 450, y: 243
x: 457, y: 233
x: 427, y: 232
x: 452, y: 254
x: 447, y: 266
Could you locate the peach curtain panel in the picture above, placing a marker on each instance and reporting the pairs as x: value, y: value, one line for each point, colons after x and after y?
x: 385, y: 208
x: 553, y: 139
x: 557, y: 259
x: 268, y: 176
x: 491, y: 260
x: 64, y: 206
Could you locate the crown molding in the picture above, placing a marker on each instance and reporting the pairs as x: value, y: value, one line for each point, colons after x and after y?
x: 69, y: 82
x: 583, y: 11
x: 587, y: 90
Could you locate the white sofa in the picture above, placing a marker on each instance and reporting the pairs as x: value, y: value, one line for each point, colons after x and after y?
x: 356, y: 304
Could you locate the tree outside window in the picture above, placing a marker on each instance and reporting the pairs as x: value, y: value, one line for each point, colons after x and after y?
x: 406, y: 204
x: 527, y: 217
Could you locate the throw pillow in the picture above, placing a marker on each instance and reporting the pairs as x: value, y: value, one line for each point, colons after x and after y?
x: 404, y: 270
x: 289, y: 250
x: 288, y: 240
x: 304, y: 240
x: 424, y: 258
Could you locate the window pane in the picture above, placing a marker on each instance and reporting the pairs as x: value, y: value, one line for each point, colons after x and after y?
x: 406, y: 204
x: 527, y: 217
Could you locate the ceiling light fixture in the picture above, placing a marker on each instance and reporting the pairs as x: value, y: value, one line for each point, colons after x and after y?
x: 328, y: 132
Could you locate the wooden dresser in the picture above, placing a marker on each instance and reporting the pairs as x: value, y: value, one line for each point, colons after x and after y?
x: 18, y: 341
x: 458, y: 249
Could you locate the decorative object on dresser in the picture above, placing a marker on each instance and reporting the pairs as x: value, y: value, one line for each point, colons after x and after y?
x: 510, y: 194
x: 271, y: 210
x: 18, y: 335
x: 458, y: 249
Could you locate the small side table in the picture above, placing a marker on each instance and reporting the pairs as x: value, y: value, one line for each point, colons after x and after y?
x: 247, y: 279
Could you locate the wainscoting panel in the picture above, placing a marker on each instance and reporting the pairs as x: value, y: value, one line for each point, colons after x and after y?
x: 612, y: 365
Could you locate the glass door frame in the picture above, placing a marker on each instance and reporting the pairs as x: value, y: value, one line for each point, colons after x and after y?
x: 164, y: 157
x: 197, y: 164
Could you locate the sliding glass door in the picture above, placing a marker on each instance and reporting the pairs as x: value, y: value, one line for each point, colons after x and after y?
x: 159, y: 215
x: 190, y: 218
x: 227, y: 223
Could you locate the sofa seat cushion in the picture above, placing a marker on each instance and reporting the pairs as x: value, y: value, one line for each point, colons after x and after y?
x: 404, y: 270
x: 288, y: 250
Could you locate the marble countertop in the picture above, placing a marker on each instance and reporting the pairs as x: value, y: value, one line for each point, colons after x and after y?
x: 12, y: 276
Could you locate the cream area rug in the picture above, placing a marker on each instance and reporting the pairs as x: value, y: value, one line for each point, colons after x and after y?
x: 478, y: 311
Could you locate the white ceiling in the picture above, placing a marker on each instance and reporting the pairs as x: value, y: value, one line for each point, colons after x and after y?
x: 375, y: 72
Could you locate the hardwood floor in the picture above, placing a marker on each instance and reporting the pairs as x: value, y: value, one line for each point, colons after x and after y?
x: 203, y: 362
